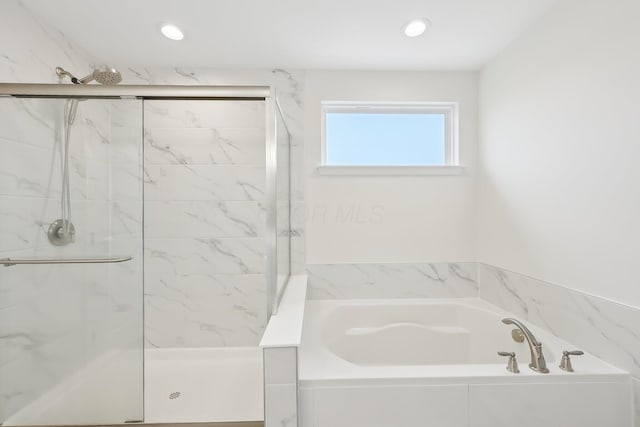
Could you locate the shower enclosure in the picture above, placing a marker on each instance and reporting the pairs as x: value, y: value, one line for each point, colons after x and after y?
x: 144, y: 245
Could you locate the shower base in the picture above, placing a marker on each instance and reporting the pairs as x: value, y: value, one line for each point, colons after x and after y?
x: 203, y: 385
x: 200, y: 385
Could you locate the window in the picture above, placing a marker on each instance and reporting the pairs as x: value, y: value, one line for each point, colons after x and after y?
x: 373, y: 137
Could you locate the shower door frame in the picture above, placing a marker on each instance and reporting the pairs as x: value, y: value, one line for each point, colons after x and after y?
x: 185, y: 93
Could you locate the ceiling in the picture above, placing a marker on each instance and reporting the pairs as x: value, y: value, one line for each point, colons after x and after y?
x: 308, y: 34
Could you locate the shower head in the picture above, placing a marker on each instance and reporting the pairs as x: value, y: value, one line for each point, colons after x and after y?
x: 103, y: 75
x: 106, y: 76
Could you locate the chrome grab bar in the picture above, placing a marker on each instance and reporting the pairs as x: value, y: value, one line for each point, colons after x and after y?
x: 8, y: 262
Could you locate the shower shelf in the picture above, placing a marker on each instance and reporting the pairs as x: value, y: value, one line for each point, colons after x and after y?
x: 8, y: 262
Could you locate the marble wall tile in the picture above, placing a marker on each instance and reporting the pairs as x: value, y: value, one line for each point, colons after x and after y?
x: 30, y: 164
x: 35, y: 48
x: 204, y: 114
x: 410, y: 280
x: 205, y: 256
x: 197, y: 311
x: 612, y: 329
x: 205, y: 223
x: 202, y: 219
x: 288, y: 85
x: 200, y: 182
x: 26, y: 170
x: 195, y: 146
x: 607, y: 329
x: 32, y: 121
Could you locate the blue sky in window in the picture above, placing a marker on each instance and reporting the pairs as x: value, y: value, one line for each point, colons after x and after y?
x: 385, y: 139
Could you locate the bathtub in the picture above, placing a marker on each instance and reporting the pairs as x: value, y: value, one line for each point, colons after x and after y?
x: 435, y: 361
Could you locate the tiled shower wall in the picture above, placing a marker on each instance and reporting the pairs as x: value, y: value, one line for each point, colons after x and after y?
x: 204, y: 212
x: 288, y: 86
x: 204, y: 223
x: 54, y: 320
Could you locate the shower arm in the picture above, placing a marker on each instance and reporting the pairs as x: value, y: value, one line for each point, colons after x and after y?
x: 61, y: 72
x: 85, y: 80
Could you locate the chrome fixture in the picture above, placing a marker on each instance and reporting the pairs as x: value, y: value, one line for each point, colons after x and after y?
x: 61, y: 232
x: 565, y: 362
x: 103, y: 75
x: 512, y: 364
x: 8, y: 262
x: 517, y: 335
x: 538, y: 363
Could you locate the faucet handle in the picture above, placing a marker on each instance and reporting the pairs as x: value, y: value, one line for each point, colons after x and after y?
x: 565, y: 362
x: 512, y: 364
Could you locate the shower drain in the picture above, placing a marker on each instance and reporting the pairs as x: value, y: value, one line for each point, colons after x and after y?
x: 174, y: 395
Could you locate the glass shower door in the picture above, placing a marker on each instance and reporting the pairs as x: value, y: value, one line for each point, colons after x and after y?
x: 71, y: 335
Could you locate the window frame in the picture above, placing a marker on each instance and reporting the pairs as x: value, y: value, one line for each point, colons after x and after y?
x: 449, y: 109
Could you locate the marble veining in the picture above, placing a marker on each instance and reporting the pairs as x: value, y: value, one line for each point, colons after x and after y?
x: 204, y: 223
x: 288, y: 85
x: 407, y: 280
x: 604, y: 328
x: 200, y: 218
x: 198, y: 182
x: 205, y: 146
x: 204, y: 310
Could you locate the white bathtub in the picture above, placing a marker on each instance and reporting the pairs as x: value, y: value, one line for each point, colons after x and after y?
x: 435, y: 361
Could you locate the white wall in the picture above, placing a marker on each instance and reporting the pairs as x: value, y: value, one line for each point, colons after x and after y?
x: 560, y: 143
x: 390, y: 219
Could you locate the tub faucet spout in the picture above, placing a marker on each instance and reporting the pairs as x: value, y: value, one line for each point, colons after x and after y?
x: 538, y: 363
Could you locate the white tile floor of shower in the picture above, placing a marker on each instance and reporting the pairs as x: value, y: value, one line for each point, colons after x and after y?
x: 203, y: 385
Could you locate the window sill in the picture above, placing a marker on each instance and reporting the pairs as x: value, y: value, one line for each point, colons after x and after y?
x: 326, y: 170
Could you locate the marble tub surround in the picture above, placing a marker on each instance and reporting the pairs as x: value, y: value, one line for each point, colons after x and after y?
x: 397, y: 280
x: 205, y: 223
x: 607, y: 329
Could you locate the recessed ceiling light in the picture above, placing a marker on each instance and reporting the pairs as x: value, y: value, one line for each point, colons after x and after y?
x: 172, y: 32
x: 416, y: 27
